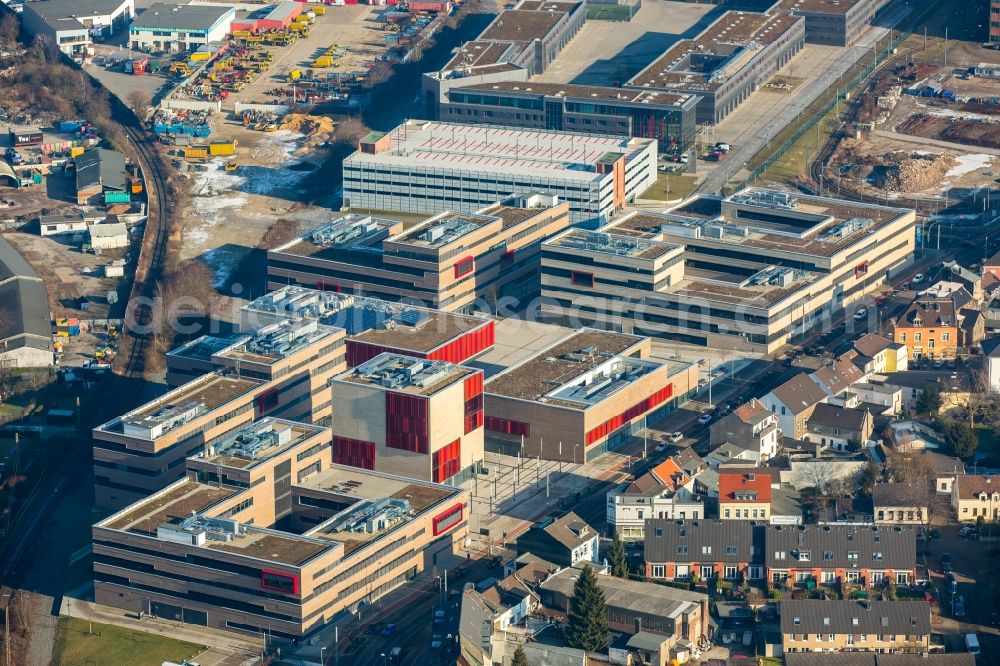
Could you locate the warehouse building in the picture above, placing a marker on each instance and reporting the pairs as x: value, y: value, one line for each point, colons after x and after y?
x: 424, y: 167
x: 99, y: 170
x: 143, y: 450
x: 402, y: 415
x: 452, y: 261
x: 582, y: 396
x: 167, y: 27
x: 667, y: 117
x: 265, y: 535
x: 374, y: 326
x: 25, y: 323
x: 108, y: 236
x: 745, y: 272
x: 296, y: 358
x: 835, y: 22
x: 727, y: 62
x: 72, y: 24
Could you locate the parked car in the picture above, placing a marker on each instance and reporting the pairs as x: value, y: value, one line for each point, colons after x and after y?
x: 918, y: 278
x: 704, y: 419
x: 723, y: 146
x: 968, y: 531
x: 389, y: 629
x: 959, y: 606
x: 676, y: 437
x: 861, y: 313
x: 660, y: 448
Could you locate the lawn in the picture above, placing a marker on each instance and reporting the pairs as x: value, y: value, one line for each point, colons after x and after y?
x: 670, y: 187
x: 115, y: 646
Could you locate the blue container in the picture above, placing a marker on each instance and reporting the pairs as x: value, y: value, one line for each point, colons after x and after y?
x: 73, y: 331
x: 69, y: 125
x: 161, y: 128
x: 203, y: 131
x: 177, y: 129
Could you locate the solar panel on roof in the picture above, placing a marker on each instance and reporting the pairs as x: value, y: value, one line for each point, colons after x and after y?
x: 412, y: 317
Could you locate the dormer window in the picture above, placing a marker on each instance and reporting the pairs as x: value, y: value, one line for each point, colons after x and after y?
x: 804, y: 555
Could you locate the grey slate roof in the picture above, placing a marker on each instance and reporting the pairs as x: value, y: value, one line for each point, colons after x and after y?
x: 570, y: 530
x: 871, y: 344
x: 814, y: 616
x: 799, y: 393
x: 898, y: 494
x: 24, y: 304
x: 475, y: 621
x: 12, y: 263
x: 835, y: 416
x: 629, y: 594
x: 99, y: 166
x: 874, y: 659
x: 829, y: 545
x: 663, y: 538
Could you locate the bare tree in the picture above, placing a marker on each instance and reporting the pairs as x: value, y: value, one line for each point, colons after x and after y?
x: 140, y: 102
x: 9, y: 30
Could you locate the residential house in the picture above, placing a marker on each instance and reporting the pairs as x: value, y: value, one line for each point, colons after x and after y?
x: 744, y: 495
x: 934, y: 325
x: 825, y: 554
x: 511, y: 601
x: 636, y: 607
x: 879, y: 659
x: 880, y: 399
x: 976, y: 496
x: 563, y: 541
x: 750, y: 426
x: 954, y: 387
x: 660, y: 493
x: 840, y: 428
x: 885, y: 355
x: 837, y: 377
x: 900, y: 504
x: 730, y: 453
x: 793, y: 403
x: 970, y: 280
x: 991, y: 361
x: 912, y: 436
x: 813, y: 625
x: 947, y: 469
x: 682, y: 549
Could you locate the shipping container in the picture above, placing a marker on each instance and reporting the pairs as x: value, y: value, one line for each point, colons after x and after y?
x: 25, y: 138
x: 222, y: 148
x: 69, y: 125
x: 76, y: 151
x: 117, y: 197
x: 196, y: 152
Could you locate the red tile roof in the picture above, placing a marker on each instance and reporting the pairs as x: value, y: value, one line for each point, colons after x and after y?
x: 748, y: 410
x: 730, y: 484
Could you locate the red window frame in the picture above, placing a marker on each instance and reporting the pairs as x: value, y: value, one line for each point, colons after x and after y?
x: 447, y: 519
x: 508, y: 426
x: 267, y: 401
x: 582, y: 279
x: 264, y: 573
x: 636, y: 410
x: 861, y: 269
x: 464, y: 266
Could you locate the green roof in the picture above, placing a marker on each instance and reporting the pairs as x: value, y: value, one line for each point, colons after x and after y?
x: 372, y: 137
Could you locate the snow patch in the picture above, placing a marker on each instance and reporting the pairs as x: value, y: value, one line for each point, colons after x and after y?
x: 969, y: 163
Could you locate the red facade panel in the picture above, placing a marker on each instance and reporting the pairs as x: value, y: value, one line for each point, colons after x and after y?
x: 507, y: 426
x: 473, y: 413
x: 362, y: 352
x: 406, y: 425
x: 447, y: 519
x: 466, y: 346
x: 353, y: 452
x: 635, y: 411
x: 267, y: 401
x: 448, y: 461
x: 464, y: 266
x: 279, y: 581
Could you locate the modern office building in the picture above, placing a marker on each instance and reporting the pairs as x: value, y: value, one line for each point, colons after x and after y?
x: 582, y: 396
x: 296, y: 358
x: 144, y: 450
x: 265, y: 535
x: 70, y: 25
x: 745, y: 272
x: 994, y: 31
x: 374, y: 326
x: 667, y: 117
x: 452, y: 261
x: 837, y: 23
x: 424, y: 166
x: 169, y: 27
x: 409, y: 416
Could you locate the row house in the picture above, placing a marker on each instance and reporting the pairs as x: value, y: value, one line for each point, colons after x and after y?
x: 812, y: 625
x: 703, y: 549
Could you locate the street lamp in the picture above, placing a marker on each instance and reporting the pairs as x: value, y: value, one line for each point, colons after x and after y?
x: 322, y: 652
x: 385, y: 659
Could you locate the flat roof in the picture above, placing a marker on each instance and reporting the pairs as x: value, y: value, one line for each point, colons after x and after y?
x: 175, y: 501
x: 165, y: 16
x: 202, y: 349
x: 442, y: 230
x: 206, y: 392
x: 262, y: 440
x: 523, y: 25
x: 479, y: 53
x: 765, y: 288
x: 406, y: 374
x: 276, y: 341
x: 721, y: 50
x: 602, y: 93
x: 347, y: 231
x: 543, y: 376
x: 522, y: 152
x: 611, y: 244
x: 75, y: 9
x: 370, y: 320
x: 820, y: 6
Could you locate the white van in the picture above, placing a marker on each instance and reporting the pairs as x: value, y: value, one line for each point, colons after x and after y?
x: 972, y: 644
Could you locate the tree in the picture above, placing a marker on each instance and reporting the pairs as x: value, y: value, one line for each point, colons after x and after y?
x: 961, y: 437
x: 588, y: 614
x: 140, y: 100
x: 618, y: 559
x: 929, y: 402
x: 519, y: 658
x: 867, y: 476
x: 9, y: 30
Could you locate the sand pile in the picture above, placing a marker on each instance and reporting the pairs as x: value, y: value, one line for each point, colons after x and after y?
x: 306, y: 124
x: 911, y: 172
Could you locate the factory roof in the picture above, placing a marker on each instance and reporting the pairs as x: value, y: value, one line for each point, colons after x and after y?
x: 583, y: 241
x: 600, y: 93
x: 75, y: 10
x: 24, y: 303
x: 406, y: 374
x: 502, y: 152
x: 578, y: 371
x: 99, y: 166
x: 165, y: 16
x: 260, y: 441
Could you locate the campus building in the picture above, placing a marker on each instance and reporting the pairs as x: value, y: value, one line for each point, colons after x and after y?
x: 994, y: 34
x: 297, y: 359
x: 667, y: 117
x: 265, y: 535
x: 409, y: 416
x: 583, y: 395
x: 837, y: 23
x: 447, y: 262
x: 168, y: 27
x: 144, y: 450
x: 746, y: 272
x: 70, y: 25
x: 424, y: 166
x: 374, y: 326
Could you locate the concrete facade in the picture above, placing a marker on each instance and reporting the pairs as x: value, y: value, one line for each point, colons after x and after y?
x: 71, y: 24
x: 167, y: 27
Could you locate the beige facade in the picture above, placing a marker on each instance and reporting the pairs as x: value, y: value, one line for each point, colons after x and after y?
x: 206, y: 550
x: 748, y: 272
x: 583, y: 395
x: 974, y: 496
x: 144, y: 450
x: 446, y: 262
